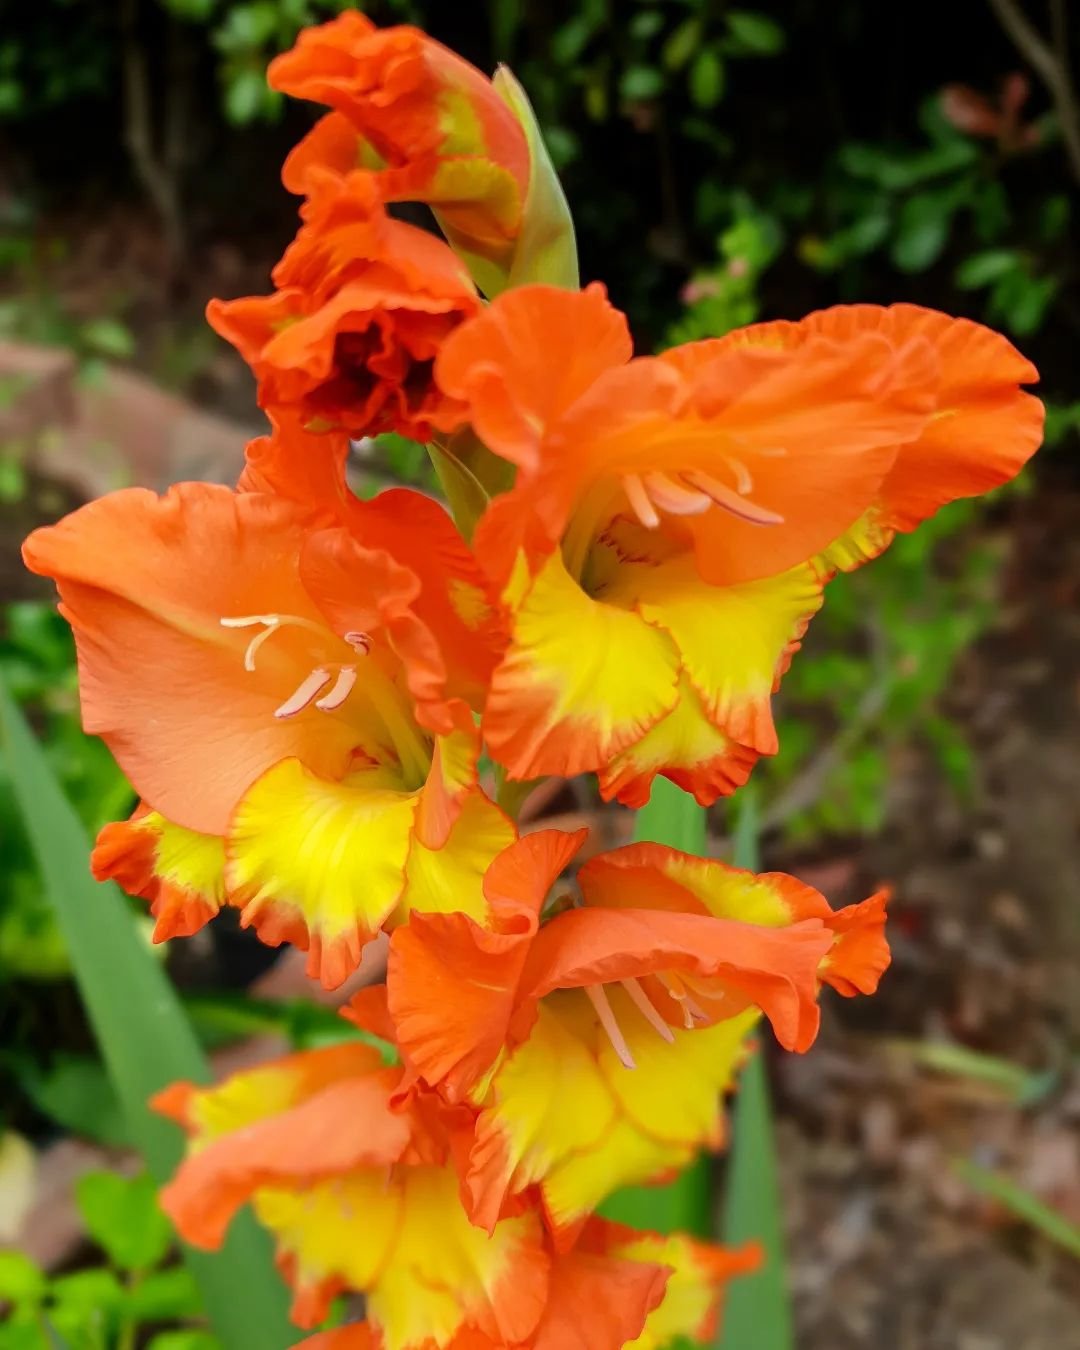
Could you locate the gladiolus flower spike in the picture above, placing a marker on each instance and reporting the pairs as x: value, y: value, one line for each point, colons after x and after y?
x: 301, y: 686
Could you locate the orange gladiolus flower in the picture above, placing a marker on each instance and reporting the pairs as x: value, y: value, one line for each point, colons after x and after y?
x: 359, y: 1196
x: 432, y: 127
x: 286, y: 682
x: 675, y: 518
x: 363, y: 304
x: 634, y: 1007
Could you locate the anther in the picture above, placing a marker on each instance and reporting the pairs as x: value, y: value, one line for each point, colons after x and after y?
x: 730, y: 500
x: 602, y: 1007
x: 644, y: 1005
x: 676, y: 498
x: 640, y: 502
x: 339, y: 692
x: 305, y: 692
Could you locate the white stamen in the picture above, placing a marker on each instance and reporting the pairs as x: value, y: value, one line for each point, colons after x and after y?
x: 730, y: 500
x: 645, y: 1006
x: 674, y: 497
x: 639, y: 501
x: 340, y: 691
x: 602, y: 1007
x: 299, y: 700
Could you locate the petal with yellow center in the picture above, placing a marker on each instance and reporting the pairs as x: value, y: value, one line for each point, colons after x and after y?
x: 257, y: 1094
x: 674, y: 1092
x: 698, y: 1275
x: 300, y: 1147
x: 450, y: 878
x: 666, y: 878
x: 580, y: 682
x: 549, y: 1103
x: 733, y: 640
x: 320, y: 864
x: 444, y: 1271
x: 334, y: 1235
x: 685, y: 747
x: 179, y: 871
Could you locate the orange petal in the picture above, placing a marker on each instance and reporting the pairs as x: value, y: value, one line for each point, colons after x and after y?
x: 313, y: 1140
x: 267, y: 1090
x: 181, y: 873
x: 455, y: 599
x: 665, y: 878
x: 452, y: 983
x: 984, y: 427
x: 527, y: 358
x: 300, y: 466
x: 599, y: 1302
x: 356, y: 1336
x: 774, y: 970
x: 699, y: 1274
x: 817, y: 429
x: 332, y: 143
x: 145, y: 582
x: 452, y: 989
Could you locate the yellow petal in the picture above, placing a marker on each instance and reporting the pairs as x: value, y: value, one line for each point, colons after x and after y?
x: 548, y: 1102
x: 320, y: 864
x: 581, y: 680
x: 450, y: 879
x: 674, y: 1093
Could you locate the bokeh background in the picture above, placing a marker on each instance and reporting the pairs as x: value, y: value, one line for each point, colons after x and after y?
x: 724, y: 163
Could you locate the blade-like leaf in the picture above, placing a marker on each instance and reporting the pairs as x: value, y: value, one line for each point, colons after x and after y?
x: 144, y: 1037
x: 1021, y: 1204
x: 757, y: 1309
x: 674, y: 818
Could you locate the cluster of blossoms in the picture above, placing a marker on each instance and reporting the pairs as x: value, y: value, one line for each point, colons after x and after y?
x: 300, y: 683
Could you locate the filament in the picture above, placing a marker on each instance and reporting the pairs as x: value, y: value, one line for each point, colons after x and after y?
x: 644, y: 1005
x: 602, y: 1007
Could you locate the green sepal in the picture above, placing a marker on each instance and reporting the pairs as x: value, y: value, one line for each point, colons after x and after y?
x: 469, y: 475
x: 546, y: 250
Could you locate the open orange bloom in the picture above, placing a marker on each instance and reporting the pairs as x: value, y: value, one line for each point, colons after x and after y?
x: 432, y: 127
x: 358, y: 1195
x: 674, y: 519
x: 633, y: 1007
x: 363, y: 304
x: 615, y: 1288
x: 286, y: 682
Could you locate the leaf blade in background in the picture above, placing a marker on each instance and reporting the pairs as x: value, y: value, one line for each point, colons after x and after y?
x: 757, y: 1308
x: 144, y: 1037
x: 670, y: 817
x: 1021, y: 1204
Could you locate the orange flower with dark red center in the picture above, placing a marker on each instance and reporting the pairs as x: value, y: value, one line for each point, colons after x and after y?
x: 432, y: 127
x: 363, y: 304
x: 634, y: 1006
x: 675, y: 518
x: 286, y: 682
